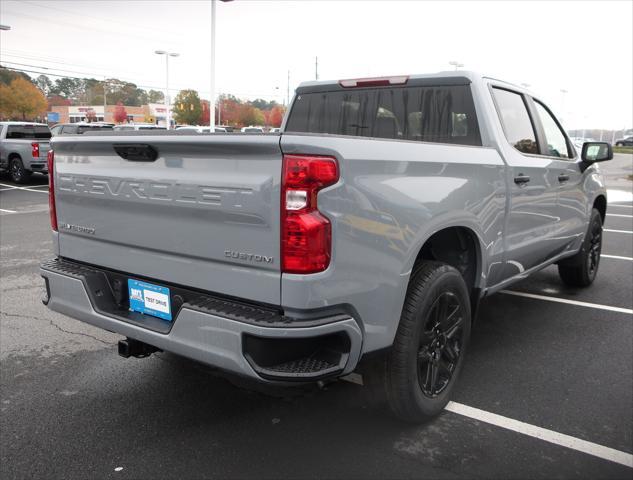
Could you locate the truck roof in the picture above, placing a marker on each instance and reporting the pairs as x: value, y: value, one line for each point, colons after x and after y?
x: 450, y: 77
x: 23, y: 123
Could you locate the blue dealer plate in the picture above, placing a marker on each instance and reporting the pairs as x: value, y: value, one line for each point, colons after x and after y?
x: 149, y: 299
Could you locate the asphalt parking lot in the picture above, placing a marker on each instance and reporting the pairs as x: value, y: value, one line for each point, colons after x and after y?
x: 546, y: 392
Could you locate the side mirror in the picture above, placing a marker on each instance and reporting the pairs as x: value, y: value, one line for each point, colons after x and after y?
x: 596, y: 152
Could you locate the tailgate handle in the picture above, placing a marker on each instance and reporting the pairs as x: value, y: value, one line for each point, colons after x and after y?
x: 136, y: 152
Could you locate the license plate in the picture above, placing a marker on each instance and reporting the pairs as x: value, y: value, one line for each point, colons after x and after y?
x: 149, y: 299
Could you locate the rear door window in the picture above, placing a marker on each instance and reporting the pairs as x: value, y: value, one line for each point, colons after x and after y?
x: 30, y: 132
x: 554, y: 136
x: 516, y: 121
x: 441, y: 114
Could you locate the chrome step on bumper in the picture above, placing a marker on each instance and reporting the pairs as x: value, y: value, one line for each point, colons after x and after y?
x: 260, y: 343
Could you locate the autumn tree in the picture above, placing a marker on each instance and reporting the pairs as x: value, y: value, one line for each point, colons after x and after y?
x: 6, y: 102
x: 205, y: 116
x: 187, y: 107
x: 58, y: 100
x: 249, y: 115
x: 120, y: 114
x: 22, y: 99
x: 276, y: 116
x: 91, y: 116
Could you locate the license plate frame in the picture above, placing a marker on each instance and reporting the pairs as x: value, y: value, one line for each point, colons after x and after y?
x: 150, y: 299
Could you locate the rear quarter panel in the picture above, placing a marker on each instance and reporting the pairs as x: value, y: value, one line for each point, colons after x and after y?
x: 391, y: 197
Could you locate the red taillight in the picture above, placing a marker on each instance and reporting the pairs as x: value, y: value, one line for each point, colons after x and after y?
x: 306, y: 234
x: 35, y: 149
x: 374, y: 82
x: 50, y: 160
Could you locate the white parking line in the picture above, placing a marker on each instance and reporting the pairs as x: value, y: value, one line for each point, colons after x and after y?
x: 544, y: 434
x: 7, y: 211
x: 618, y: 231
x: 623, y: 206
x: 619, y: 215
x: 13, y: 187
x: 616, y: 257
x: 569, y: 302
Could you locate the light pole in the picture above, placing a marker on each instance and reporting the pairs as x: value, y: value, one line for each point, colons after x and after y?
x: 212, y: 96
x: 167, y: 55
x: 456, y: 64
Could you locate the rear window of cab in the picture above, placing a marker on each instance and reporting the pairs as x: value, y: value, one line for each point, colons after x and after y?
x: 440, y: 114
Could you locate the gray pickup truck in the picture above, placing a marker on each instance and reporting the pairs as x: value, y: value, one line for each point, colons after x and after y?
x: 366, y: 232
x: 23, y: 149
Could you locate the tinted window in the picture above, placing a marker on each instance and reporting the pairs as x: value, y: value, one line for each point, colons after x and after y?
x: 516, y: 120
x: 86, y: 128
x: 56, y: 130
x: 554, y: 137
x: 69, y: 129
x: 34, y: 132
x: 444, y: 114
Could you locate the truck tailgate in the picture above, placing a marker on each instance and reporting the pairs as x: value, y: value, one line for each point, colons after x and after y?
x: 204, y: 214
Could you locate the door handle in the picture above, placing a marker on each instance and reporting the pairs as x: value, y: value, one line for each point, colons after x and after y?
x: 563, y: 178
x: 521, y: 179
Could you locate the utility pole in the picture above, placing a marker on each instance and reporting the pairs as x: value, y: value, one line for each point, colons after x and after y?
x: 316, y: 68
x: 104, y: 99
x: 212, y: 97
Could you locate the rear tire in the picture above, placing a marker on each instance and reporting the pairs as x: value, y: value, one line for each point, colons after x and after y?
x: 17, y: 172
x: 428, y: 351
x: 581, y: 269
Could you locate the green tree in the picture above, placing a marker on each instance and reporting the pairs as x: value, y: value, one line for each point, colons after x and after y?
x: 71, y: 88
x: 155, y: 96
x: 263, y: 104
x: 7, y: 76
x: 44, y: 84
x: 187, y: 107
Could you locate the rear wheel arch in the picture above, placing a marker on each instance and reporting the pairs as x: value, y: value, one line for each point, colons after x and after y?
x: 459, y: 247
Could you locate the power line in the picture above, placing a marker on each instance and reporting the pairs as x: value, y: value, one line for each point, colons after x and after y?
x: 54, y: 21
x: 154, y: 87
x: 46, y: 60
x: 102, y: 19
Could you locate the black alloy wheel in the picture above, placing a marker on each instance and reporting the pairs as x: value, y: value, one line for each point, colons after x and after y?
x: 440, y: 344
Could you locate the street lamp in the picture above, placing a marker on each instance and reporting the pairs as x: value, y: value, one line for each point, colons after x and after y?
x: 456, y: 64
x: 212, y: 95
x: 167, y: 55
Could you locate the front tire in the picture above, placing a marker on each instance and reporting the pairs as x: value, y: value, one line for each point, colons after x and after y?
x: 581, y: 269
x: 17, y: 172
x: 428, y: 351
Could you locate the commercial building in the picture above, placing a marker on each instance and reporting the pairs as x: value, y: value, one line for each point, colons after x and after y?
x: 152, y: 113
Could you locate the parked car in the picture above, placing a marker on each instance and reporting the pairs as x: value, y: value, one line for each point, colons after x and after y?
x: 624, y: 142
x: 274, y: 130
x: 137, y: 126
x: 79, y: 128
x: 252, y: 130
x: 201, y: 129
x: 23, y: 149
x: 363, y: 237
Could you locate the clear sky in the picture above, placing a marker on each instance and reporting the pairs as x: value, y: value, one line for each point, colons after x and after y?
x: 583, y: 47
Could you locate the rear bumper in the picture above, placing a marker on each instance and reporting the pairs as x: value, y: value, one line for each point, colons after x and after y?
x: 233, y: 337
